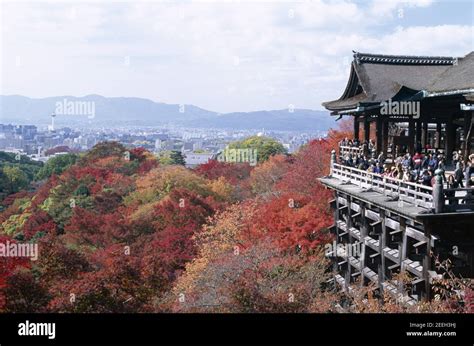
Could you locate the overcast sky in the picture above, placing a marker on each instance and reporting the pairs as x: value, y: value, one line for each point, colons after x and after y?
x: 225, y: 57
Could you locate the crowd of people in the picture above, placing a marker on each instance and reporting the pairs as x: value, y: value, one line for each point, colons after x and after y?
x: 418, y: 168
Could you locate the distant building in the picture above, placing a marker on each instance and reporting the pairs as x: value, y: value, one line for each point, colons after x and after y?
x: 194, y: 159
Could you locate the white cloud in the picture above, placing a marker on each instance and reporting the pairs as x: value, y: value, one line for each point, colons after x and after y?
x: 224, y: 57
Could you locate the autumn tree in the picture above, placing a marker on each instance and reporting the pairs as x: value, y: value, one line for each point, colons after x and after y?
x: 265, y: 146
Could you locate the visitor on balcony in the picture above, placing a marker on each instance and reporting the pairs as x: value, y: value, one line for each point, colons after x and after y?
x: 407, y: 162
x: 452, y: 183
x: 469, y: 175
x: 457, y: 157
x: 432, y: 162
x: 426, y: 177
x: 407, y: 176
x: 417, y: 160
x: 459, y: 173
x: 442, y: 167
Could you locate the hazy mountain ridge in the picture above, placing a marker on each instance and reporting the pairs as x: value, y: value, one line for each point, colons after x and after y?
x: 145, y: 112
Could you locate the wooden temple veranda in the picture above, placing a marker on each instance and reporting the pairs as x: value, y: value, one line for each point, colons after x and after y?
x: 403, y: 226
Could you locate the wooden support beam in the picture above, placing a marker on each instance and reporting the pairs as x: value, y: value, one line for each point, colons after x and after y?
x: 468, y: 125
x: 450, y: 140
x: 363, y: 234
x: 366, y: 130
x: 382, y: 245
x: 418, y: 139
x: 424, y: 135
x: 403, y: 250
x: 385, y: 126
x: 356, y: 127
x: 411, y: 136
x: 349, y: 226
x: 379, y: 134
x: 438, y: 135
x: 427, y: 262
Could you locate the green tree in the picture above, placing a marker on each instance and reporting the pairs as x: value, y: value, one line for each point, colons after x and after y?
x: 171, y: 157
x: 265, y: 146
x: 15, y: 178
x: 56, y: 165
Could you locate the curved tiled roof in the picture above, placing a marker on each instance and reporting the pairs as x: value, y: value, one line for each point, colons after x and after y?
x: 377, y: 78
x: 403, y: 59
x: 458, y: 77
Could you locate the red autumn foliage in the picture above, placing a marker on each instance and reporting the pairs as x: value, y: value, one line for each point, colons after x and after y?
x: 39, y: 221
x: 90, y: 228
x: 8, y: 265
x: 10, y: 199
x: 114, y: 286
x: 294, y: 221
x: 233, y: 172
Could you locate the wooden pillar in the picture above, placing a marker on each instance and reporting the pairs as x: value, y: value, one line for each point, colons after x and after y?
x: 366, y: 130
x: 418, y: 141
x: 385, y: 138
x: 468, y: 124
x: 336, y: 219
x: 450, y: 140
x: 382, y: 244
x: 363, y: 233
x: 348, y: 226
x: 424, y: 135
x: 379, y: 134
x: 427, y: 262
x: 403, y: 250
x: 356, y: 127
x: 411, y: 136
x: 438, y: 135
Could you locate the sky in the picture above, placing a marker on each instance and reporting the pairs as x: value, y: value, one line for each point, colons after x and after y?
x: 224, y: 56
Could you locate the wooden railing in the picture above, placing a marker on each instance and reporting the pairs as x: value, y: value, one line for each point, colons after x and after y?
x: 437, y: 198
x: 345, y: 150
x: 417, y: 194
x: 460, y: 199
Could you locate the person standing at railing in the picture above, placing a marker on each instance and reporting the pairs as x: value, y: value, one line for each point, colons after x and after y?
x: 425, y: 162
x: 381, y: 158
x: 417, y: 160
x: 442, y: 167
x: 433, y: 162
x: 364, y: 148
x: 457, y: 157
x: 399, y: 171
x: 380, y: 167
x: 459, y: 173
x: 426, y: 178
x: 469, y: 175
x: 407, y: 163
x: 451, y: 184
x: 407, y: 176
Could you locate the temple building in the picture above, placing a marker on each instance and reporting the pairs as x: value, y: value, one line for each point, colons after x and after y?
x: 415, y: 104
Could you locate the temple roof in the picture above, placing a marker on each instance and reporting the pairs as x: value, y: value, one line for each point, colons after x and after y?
x: 458, y: 77
x: 376, y: 78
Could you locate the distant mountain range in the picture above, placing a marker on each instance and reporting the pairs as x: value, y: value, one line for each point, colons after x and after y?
x: 125, y: 111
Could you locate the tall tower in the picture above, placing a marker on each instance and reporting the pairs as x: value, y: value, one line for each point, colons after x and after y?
x: 52, y: 122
